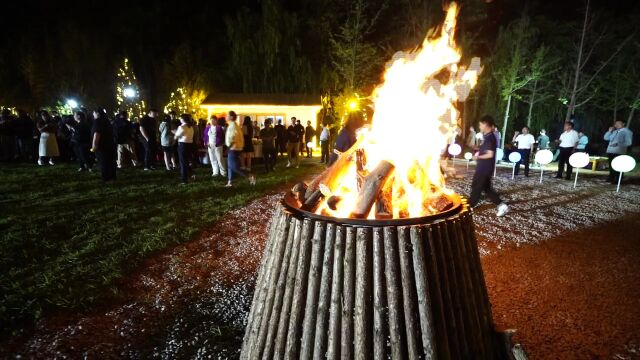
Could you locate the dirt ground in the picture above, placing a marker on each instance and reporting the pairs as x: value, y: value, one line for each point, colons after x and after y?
x: 576, y: 296
x: 570, y: 292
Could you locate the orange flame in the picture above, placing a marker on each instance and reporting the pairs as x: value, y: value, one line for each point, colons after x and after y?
x: 414, y: 120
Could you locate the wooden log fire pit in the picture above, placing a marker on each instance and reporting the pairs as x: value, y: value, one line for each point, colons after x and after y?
x: 371, y: 289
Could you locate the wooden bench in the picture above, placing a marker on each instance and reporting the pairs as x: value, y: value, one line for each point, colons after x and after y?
x: 595, y: 160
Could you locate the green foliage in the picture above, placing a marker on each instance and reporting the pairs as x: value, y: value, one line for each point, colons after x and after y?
x: 66, y: 237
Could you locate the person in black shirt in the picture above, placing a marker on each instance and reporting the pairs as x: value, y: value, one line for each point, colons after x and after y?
x: 485, y: 163
x: 269, y: 152
x: 281, y: 138
x: 293, y: 144
x: 81, y: 139
x: 309, y: 134
x: 103, y: 145
x: 300, y: 129
x: 7, y: 135
x: 24, y: 128
x: 148, y: 129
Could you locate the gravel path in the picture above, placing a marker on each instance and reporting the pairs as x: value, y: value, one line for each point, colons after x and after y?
x: 191, y: 301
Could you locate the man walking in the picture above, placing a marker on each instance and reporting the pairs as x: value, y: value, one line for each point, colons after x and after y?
x: 124, y: 140
x: 486, y: 162
x: 325, y: 136
x: 619, y: 138
x: 568, y: 141
x: 309, y: 134
x: 525, y: 143
x: 293, y: 144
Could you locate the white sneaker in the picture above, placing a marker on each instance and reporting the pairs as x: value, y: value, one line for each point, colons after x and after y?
x: 40, y: 162
x: 252, y: 180
x: 228, y: 185
x: 502, y: 210
x: 51, y: 162
x: 288, y: 164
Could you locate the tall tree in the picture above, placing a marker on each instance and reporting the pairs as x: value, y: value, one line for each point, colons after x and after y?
x: 128, y: 95
x: 539, y: 88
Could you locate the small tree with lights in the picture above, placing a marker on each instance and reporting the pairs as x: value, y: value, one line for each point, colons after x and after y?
x: 186, y: 101
x: 128, y: 92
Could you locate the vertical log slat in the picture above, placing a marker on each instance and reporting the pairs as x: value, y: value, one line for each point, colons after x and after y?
x: 324, y: 298
x: 335, y: 311
x: 380, y: 322
x: 409, y: 296
x: 346, y: 346
x: 363, y: 340
x: 422, y: 289
x: 394, y: 293
x: 313, y: 289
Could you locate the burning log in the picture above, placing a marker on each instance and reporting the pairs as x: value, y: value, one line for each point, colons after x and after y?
x: 361, y: 172
x: 332, y: 174
x: 312, y: 200
x: 299, y: 190
x: 372, y: 185
x: 384, y: 207
x: 332, y: 202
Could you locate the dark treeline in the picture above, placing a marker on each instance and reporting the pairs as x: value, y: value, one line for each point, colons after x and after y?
x: 530, y: 50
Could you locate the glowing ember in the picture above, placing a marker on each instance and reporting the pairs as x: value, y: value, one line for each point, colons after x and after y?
x: 414, y: 119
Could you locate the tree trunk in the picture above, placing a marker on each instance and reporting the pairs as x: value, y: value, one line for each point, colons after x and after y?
x: 532, y: 101
x: 576, y: 79
x: 506, y: 121
x: 633, y: 108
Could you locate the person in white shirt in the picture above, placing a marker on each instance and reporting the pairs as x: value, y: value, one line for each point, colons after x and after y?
x: 325, y: 136
x: 234, y: 139
x: 568, y: 141
x: 215, y: 137
x: 525, y: 142
x: 184, y: 136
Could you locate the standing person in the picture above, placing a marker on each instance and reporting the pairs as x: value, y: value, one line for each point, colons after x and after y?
x: 525, y: 143
x: 498, y: 136
x: 103, y: 145
x: 470, y: 142
x: 486, y: 162
x: 293, y: 143
x: 269, y: 152
x: 325, y: 137
x: 148, y: 129
x: 24, y: 128
x: 247, y: 150
x: 215, y: 146
x: 347, y: 136
x: 300, y: 130
x: 167, y: 142
x: 309, y: 134
x: 281, y: 138
x: 543, y: 140
x: 123, y: 129
x: 63, y: 137
x: 48, y: 148
x: 184, y: 137
x: 619, y: 138
x: 583, y: 141
x: 81, y: 140
x: 568, y: 140
x: 7, y: 135
x: 234, y: 140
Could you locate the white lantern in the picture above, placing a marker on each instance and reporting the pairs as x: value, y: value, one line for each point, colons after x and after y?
x: 515, y: 156
x: 499, y: 154
x: 622, y: 164
x: 578, y: 160
x: 543, y: 157
x: 468, y: 156
x: 455, y: 149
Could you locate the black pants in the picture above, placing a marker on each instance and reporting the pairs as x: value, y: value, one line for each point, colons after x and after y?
x: 482, y: 182
x: 324, y: 154
x: 563, y: 159
x: 269, y: 156
x: 613, y: 175
x: 184, y: 155
x: 149, y: 153
x: 107, y: 160
x: 82, y: 154
x: 525, y: 154
x: 24, y: 147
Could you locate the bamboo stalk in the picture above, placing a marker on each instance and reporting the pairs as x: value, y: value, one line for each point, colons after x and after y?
x: 422, y: 289
x: 394, y: 293
x: 363, y: 339
x: 335, y: 311
x: 346, y: 348
x: 299, y: 292
x: 409, y: 296
x: 313, y: 289
x: 324, y: 298
x: 281, y: 335
x: 379, y: 298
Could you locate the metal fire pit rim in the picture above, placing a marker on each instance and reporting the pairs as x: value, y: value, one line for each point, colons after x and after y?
x: 458, y: 207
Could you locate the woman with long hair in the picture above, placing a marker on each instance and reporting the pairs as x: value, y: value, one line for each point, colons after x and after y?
x: 184, y: 136
x: 247, y: 150
x: 48, y: 148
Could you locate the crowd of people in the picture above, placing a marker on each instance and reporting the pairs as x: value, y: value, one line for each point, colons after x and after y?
x: 88, y: 137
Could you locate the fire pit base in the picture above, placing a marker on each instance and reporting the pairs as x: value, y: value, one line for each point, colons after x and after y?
x: 330, y: 289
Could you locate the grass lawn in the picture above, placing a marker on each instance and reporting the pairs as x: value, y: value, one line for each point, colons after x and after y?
x: 66, y: 236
